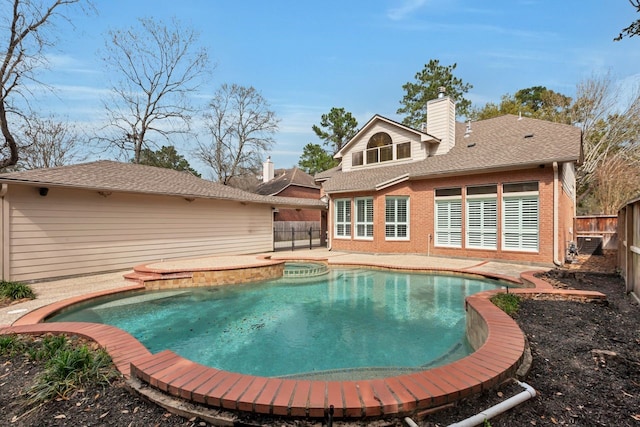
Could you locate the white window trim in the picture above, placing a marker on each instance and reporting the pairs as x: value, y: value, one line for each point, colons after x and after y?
x: 484, y: 230
x: 396, y: 224
x: 363, y: 222
x: 520, y: 231
x: 336, y: 202
x: 449, y: 230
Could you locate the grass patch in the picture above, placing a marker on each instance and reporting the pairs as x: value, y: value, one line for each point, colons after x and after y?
x: 509, y: 303
x: 69, y: 364
x: 15, y: 291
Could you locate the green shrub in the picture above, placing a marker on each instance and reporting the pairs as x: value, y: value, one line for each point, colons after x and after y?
x: 69, y: 366
x: 509, y: 303
x: 16, y: 291
x: 11, y: 345
x: 48, y: 347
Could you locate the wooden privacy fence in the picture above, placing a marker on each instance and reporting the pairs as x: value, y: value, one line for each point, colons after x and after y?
x: 629, y: 246
x: 595, y: 233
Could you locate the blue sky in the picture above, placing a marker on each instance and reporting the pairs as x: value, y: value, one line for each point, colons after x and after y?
x: 307, y: 57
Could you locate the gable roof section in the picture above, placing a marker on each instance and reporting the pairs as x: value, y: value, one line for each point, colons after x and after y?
x: 424, y: 137
x: 501, y: 143
x: 107, y: 175
x: 293, y: 176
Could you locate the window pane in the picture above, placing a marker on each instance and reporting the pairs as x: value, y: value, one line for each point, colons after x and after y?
x: 520, y: 187
x: 372, y: 156
x: 386, y: 153
x: 356, y: 158
x: 442, y: 192
x: 485, y: 189
x: 403, y: 151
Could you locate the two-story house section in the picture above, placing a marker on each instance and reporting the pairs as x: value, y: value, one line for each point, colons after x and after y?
x: 502, y: 188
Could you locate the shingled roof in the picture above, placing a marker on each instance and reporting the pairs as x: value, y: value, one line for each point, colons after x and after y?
x: 107, y: 175
x: 284, y: 179
x: 503, y: 143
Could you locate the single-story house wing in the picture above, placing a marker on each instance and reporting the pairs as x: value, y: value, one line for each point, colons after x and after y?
x: 106, y: 215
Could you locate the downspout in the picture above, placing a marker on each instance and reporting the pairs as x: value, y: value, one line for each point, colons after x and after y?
x: 3, y: 233
x: 556, y: 197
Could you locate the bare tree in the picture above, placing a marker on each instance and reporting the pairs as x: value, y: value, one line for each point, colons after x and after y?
x: 615, y: 182
x: 25, y: 28
x: 241, y: 128
x: 155, y: 68
x: 611, y: 130
x: 48, y: 142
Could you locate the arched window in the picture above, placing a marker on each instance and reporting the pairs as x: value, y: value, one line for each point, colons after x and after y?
x: 379, y: 148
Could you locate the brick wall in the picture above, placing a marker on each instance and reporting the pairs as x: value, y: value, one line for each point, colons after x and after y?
x: 421, y: 194
x: 299, y: 214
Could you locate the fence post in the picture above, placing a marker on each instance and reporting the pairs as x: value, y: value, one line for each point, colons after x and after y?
x: 310, y: 237
x: 293, y: 238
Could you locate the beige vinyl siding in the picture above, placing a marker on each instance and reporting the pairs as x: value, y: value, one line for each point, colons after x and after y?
x: 441, y: 123
x: 398, y: 136
x: 72, y: 232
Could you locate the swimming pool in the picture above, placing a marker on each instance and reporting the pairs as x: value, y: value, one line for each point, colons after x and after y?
x: 350, y: 323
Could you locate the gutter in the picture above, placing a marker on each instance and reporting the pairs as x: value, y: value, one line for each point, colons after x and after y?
x: 556, y: 197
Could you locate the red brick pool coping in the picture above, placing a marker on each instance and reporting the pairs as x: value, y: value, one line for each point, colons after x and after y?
x: 496, y: 360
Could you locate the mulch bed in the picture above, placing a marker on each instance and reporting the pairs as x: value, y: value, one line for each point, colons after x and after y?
x: 585, y: 369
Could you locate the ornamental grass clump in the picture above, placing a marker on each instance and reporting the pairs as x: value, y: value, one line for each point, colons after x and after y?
x: 11, y: 345
x: 68, y: 366
x: 15, y: 291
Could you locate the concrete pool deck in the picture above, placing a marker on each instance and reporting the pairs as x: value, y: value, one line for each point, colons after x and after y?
x: 500, y: 352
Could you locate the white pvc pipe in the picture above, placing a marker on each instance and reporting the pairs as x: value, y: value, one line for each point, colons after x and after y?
x: 498, y: 409
x: 410, y: 422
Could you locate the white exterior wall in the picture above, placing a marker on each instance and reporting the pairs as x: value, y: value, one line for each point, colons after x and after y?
x: 398, y: 136
x: 441, y: 123
x: 71, y: 232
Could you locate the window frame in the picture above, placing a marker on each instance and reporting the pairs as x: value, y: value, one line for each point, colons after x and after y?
x: 395, y: 224
x: 367, y: 223
x: 523, y: 233
x: 481, y: 232
x: 344, y: 207
x: 452, y: 229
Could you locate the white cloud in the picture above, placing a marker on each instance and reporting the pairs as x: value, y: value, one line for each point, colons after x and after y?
x: 405, y: 9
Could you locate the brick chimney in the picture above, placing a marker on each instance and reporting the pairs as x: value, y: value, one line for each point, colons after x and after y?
x: 267, y: 170
x: 441, y: 121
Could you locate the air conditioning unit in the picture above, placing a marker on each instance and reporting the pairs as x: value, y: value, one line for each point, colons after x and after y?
x: 590, y: 245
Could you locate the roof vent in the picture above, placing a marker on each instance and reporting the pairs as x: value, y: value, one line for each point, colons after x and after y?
x: 468, y: 131
x: 472, y: 144
x: 529, y: 135
x: 441, y: 91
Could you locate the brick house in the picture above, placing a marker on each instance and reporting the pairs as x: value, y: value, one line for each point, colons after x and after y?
x: 502, y: 188
x: 289, y: 183
x: 299, y: 184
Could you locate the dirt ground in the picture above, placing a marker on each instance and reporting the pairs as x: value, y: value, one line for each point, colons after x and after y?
x: 585, y: 369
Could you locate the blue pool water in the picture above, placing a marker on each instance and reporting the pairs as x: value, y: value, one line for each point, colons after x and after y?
x: 346, y: 324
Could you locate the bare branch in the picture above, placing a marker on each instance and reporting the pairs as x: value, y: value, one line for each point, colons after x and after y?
x: 22, y: 51
x: 157, y: 67
x: 241, y: 126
